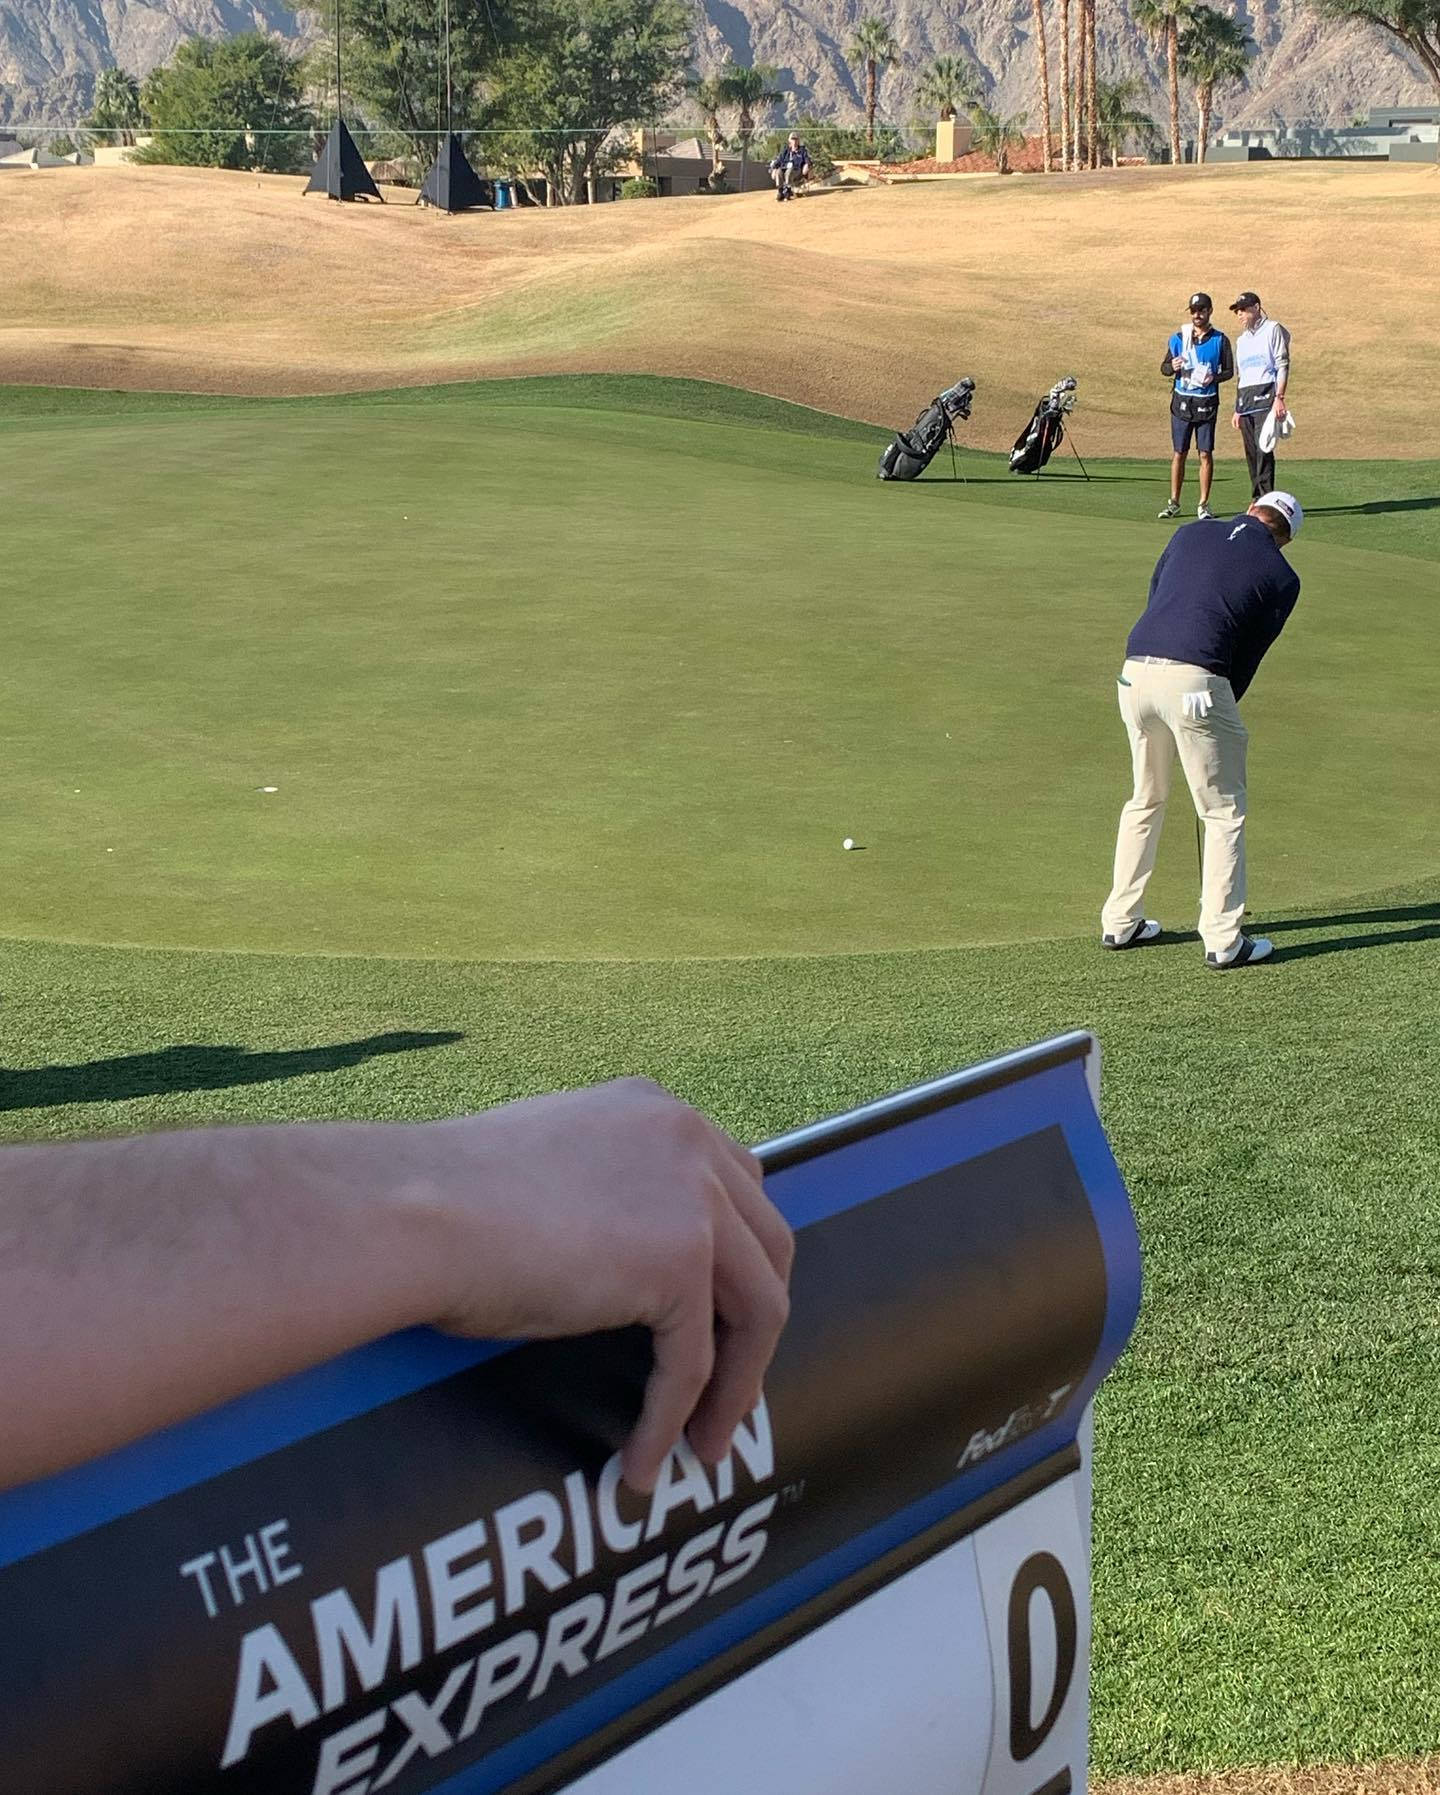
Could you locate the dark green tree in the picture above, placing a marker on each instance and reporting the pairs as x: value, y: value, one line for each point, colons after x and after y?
x: 1164, y: 19
x: 830, y: 143
x: 748, y: 90
x: 116, y: 114
x: 1214, y: 48
x: 1118, y: 118
x: 394, y: 65
x: 996, y: 135
x: 237, y: 103
x: 873, y: 48
x: 950, y: 84
x: 579, y: 72
x: 708, y: 94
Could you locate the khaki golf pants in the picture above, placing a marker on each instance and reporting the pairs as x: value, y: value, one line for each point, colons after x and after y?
x: 1212, y: 758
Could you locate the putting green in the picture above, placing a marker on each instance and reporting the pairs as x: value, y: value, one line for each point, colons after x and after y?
x: 581, y: 669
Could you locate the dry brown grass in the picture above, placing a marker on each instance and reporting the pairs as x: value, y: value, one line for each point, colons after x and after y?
x: 1418, y: 1777
x: 858, y: 302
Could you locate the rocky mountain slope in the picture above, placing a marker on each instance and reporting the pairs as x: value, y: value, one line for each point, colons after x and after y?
x: 52, y: 50
x: 1305, y: 72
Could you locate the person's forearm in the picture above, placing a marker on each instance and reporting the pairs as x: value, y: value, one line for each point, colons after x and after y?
x: 147, y: 1279
x: 143, y: 1280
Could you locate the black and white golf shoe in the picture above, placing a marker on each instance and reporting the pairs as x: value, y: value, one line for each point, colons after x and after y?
x: 1145, y: 931
x: 1250, y: 952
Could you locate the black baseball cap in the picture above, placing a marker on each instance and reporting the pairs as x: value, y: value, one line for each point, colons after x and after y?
x: 1199, y: 301
x: 1246, y: 298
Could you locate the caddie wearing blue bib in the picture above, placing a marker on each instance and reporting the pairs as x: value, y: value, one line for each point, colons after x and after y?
x: 1197, y: 359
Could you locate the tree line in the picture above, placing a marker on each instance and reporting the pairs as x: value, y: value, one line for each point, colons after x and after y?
x: 590, y: 68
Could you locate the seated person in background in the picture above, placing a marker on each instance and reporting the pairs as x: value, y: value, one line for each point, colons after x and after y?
x: 790, y: 167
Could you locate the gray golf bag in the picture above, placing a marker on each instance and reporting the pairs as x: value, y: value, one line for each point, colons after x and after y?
x: 911, y: 451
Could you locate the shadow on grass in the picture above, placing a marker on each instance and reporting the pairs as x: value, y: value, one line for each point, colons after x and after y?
x: 1029, y: 479
x: 1403, y: 913
x: 1374, y: 507
x: 194, y: 1068
x: 1342, y: 944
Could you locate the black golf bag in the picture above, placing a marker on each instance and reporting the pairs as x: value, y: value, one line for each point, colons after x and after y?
x: 1045, y: 432
x: 911, y: 451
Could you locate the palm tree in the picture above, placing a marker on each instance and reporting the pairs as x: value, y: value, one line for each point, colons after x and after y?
x: 1082, y: 63
x: 997, y: 136
x: 1037, y: 8
x: 949, y: 83
x: 1213, y: 48
x: 116, y: 113
x: 1163, y: 19
x: 708, y: 93
x: 746, y: 89
x: 1065, y: 161
x: 1092, y: 90
x: 1119, y: 120
x: 873, y: 48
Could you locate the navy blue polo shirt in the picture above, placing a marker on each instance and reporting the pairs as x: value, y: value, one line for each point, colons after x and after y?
x: 1219, y: 596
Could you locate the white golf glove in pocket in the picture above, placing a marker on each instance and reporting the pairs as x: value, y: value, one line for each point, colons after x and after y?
x: 1197, y: 706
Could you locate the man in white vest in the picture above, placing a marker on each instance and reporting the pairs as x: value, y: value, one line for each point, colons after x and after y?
x: 1262, y: 372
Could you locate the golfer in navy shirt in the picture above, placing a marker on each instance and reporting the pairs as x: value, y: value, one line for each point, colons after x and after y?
x: 1219, y: 596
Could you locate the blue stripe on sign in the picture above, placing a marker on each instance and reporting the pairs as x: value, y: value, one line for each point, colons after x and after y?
x: 41, y: 1514
x: 594, y: 1712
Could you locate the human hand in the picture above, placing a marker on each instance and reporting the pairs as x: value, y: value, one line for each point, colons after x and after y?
x: 597, y: 1209
x: 1177, y: 364
x: 1234, y: 420
x: 1280, y: 406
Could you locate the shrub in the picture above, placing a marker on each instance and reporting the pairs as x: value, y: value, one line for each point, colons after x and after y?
x: 826, y: 142
x: 639, y: 187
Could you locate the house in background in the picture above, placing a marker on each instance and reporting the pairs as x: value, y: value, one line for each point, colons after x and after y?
x: 22, y: 157
x: 678, y: 164
x: 1391, y: 133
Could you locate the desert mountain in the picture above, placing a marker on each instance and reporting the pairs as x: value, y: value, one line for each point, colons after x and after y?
x: 51, y: 51
x: 1305, y: 72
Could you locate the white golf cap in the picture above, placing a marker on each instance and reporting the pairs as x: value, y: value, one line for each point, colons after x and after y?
x: 1287, y: 506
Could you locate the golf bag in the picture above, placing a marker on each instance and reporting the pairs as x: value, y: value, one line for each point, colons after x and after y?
x: 1045, y: 432
x: 911, y: 451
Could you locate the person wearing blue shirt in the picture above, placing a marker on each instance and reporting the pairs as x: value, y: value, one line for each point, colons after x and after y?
x: 1219, y: 597
x: 1197, y: 360
x: 790, y: 167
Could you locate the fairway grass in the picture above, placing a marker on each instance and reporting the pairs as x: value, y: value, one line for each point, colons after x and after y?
x: 555, y: 670
x: 570, y: 691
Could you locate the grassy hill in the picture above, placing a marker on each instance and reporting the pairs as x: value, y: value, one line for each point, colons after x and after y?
x: 859, y: 303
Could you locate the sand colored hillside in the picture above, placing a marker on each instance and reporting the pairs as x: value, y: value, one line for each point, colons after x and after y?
x: 859, y: 302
